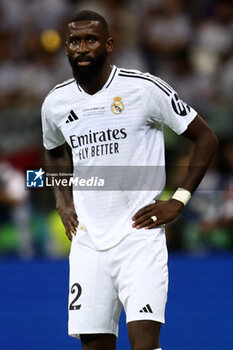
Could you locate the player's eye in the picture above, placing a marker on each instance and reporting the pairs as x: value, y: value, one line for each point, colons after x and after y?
x: 74, y: 40
x: 92, y: 40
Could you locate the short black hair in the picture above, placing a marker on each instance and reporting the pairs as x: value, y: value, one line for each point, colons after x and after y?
x: 87, y: 15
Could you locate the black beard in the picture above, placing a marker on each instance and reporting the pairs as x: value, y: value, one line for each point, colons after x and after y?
x: 88, y: 74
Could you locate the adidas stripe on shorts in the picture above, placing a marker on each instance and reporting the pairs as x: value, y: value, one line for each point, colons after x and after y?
x: 132, y: 274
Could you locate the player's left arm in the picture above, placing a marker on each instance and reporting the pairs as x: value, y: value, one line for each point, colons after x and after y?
x: 205, y: 144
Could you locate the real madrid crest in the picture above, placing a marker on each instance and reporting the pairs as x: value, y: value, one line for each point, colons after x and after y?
x: 117, y: 106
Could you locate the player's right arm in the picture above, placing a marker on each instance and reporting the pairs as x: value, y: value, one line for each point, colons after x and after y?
x: 57, y: 159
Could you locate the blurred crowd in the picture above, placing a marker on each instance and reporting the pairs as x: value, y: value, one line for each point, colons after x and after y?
x: 187, y: 43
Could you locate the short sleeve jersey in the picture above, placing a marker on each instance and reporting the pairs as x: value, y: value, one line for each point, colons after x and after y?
x: 116, y: 133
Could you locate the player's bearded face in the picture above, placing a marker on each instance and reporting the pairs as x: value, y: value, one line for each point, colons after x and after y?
x: 89, y: 72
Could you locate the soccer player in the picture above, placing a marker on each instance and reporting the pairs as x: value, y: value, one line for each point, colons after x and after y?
x: 114, y: 117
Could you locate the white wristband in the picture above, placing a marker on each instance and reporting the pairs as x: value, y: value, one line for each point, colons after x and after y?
x: 182, y: 195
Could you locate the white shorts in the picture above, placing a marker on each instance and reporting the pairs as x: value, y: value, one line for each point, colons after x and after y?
x: 133, y: 274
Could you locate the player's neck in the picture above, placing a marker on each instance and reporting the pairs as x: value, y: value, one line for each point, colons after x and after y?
x: 91, y: 86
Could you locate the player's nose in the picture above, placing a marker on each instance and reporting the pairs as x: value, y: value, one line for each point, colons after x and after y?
x: 83, y: 47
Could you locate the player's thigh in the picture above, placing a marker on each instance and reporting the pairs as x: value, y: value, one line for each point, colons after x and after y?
x: 144, y: 334
x: 143, y: 277
x: 94, y: 307
x: 98, y: 341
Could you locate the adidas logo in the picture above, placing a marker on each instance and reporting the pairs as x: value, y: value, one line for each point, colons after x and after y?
x: 146, y: 308
x: 72, y: 117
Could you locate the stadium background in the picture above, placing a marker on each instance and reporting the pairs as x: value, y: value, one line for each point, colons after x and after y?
x: 188, y: 44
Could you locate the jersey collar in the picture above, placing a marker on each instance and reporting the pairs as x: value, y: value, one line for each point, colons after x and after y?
x: 108, y: 82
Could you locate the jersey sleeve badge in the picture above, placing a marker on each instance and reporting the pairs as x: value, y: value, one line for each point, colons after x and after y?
x: 181, y: 108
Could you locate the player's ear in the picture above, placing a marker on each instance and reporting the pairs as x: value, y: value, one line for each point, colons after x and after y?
x: 66, y: 44
x: 110, y: 45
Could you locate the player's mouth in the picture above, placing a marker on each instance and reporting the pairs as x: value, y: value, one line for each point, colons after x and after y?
x: 83, y: 61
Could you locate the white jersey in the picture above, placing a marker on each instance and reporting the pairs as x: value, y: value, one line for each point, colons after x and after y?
x: 119, y: 129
